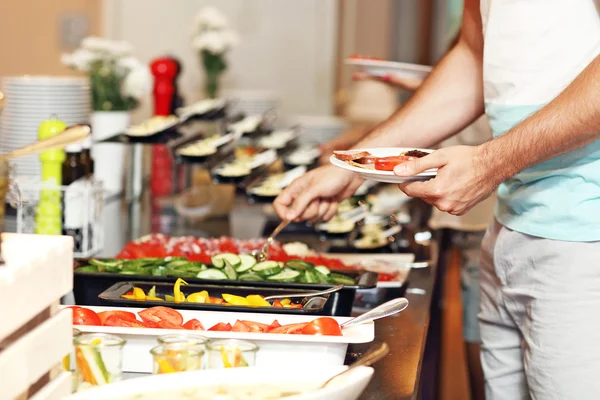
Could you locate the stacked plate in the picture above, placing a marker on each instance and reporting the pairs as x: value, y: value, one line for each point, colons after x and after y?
x: 315, y: 130
x: 251, y: 102
x: 30, y: 100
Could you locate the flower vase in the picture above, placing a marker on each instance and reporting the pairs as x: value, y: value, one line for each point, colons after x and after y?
x: 109, y: 158
x: 214, y: 67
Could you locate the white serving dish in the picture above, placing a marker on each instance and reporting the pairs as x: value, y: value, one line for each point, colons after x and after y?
x: 385, y: 176
x: 399, y: 69
x: 346, y: 388
x: 275, y: 350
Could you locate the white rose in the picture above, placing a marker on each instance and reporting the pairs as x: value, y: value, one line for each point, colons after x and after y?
x: 129, y: 63
x: 94, y: 43
x: 213, y: 42
x: 80, y: 59
x: 138, y: 82
x: 212, y: 18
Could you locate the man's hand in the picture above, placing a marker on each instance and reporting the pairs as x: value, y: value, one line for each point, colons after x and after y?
x: 466, y: 176
x: 316, y: 194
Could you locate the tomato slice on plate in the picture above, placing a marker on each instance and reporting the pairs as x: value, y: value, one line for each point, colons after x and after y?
x: 117, y: 320
x: 168, y: 325
x: 323, y: 326
x: 239, y: 326
x: 221, y: 327
x: 85, y: 316
x: 194, y: 325
x: 161, y: 314
x: 274, y: 324
x: 122, y: 314
x: 388, y: 163
x: 257, y: 326
x: 289, y: 329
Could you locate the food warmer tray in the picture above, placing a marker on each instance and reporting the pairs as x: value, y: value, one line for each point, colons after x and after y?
x: 112, y: 297
x: 88, y: 286
x: 275, y: 350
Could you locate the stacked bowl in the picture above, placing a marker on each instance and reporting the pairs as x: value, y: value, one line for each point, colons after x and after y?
x: 30, y: 100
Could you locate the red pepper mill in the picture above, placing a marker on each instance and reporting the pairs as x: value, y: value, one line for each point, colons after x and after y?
x: 165, y: 71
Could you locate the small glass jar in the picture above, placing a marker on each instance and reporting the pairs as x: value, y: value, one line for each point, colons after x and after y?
x: 190, y: 339
x: 229, y: 353
x: 98, y: 359
x: 68, y: 364
x: 176, y: 357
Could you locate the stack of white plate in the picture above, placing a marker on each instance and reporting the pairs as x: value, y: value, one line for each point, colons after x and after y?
x: 315, y: 130
x: 251, y: 102
x: 30, y: 100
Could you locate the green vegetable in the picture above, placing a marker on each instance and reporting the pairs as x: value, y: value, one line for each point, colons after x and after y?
x: 299, y: 265
x: 90, y: 360
x: 87, y: 268
x: 287, y: 275
x: 159, y: 271
x: 310, y: 276
x: 246, y: 263
x: 229, y: 271
x: 218, y: 261
x: 107, y: 265
x: 267, y: 268
x: 212, y: 274
x: 152, y: 292
x: 323, y: 269
x: 321, y: 278
x: 177, y: 263
x: 175, y: 273
x: 250, y: 277
x: 341, y: 279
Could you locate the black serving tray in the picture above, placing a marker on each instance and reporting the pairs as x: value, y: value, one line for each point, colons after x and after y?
x: 112, y: 297
x: 87, y: 286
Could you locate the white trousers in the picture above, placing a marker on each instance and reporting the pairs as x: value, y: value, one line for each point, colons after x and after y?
x: 539, y: 317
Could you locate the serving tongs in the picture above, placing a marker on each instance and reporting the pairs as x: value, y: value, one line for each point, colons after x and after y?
x: 309, y: 300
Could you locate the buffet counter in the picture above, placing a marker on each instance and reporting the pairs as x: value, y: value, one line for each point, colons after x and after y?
x: 397, y: 376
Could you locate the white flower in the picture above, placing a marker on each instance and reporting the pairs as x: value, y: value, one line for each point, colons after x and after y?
x: 94, y: 43
x: 216, y: 42
x: 211, y: 18
x: 138, y: 82
x: 129, y: 63
x: 80, y: 59
x: 120, y: 48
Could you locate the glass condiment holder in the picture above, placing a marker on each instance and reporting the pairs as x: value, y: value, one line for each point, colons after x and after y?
x: 176, y: 357
x: 231, y: 353
x: 98, y: 359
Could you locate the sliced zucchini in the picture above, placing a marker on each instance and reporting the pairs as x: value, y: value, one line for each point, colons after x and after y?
x: 173, y: 258
x: 287, y: 275
x: 267, y: 268
x: 129, y: 273
x: 107, y: 265
x: 323, y: 269
x: 218, y: 261
x: 299, y: 265
x: 250, y: 277
x: 212, y: 274
x: 310, y: 276
x: 341, y: 279
x: 322, y: 278
x: 175, y: 273
x: 177, y: 263
x: 230, y: 271
x: 87, y: 268
x: 159, y: 271
x: 247, y: 262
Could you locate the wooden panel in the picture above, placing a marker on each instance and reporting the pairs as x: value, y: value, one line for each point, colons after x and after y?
x: 30, y: 32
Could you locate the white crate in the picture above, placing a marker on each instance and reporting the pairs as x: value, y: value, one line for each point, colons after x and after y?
x: 59, y: 388
x: 88, y: 196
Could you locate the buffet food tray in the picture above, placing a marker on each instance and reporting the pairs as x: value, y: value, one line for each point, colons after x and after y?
x: 112, y: 297
x: 88, y: 286
x: 295, y: 352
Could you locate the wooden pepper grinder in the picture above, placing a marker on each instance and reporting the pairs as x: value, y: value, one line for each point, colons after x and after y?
x: 165, y: 71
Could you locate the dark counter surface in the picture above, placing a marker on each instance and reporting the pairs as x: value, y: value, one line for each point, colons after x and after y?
x: 396, y: 377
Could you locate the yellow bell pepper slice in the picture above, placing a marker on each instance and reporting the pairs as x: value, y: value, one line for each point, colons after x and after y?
x: 139, y: 294
x: 225, y: 358
x: 169, y: 298
x: 128, y: 296
x: 198, y: 297
x: 235, y: 300
x: 286, y: 302
x: 165, y: 367
x: 179, y: 297
x: 255, y: 300
x: 154, y: 298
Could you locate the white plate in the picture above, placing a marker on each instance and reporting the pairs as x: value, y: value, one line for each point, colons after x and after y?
x: 348, y: 388
x: 385, y: 176
x: 383, y: 68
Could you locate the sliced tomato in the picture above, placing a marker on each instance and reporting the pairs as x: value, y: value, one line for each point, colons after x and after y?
x: 388, y: 163
x: 257, y: 326
x: 323, y: 326
x: 277, y: 303
x: 160, y: 313
x: 194, y: 325
x: 274, y: 325
x: 239, y: 326
x: 221, y: 327
x: 384, y: 277
x: 289, y: 329
x: 122, y: 314
x: 117, y: 320
x: 85, y: 316
x: 168, y: 325
x: 215, y: 300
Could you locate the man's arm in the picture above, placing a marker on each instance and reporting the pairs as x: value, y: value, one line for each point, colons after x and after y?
x: 467, y: 175
x: 449, y: 100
